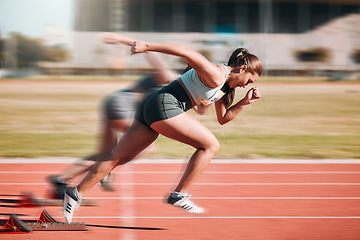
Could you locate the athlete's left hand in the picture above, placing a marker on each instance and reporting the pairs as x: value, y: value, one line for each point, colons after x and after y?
x: 252, y: 95
x: 139, y: 47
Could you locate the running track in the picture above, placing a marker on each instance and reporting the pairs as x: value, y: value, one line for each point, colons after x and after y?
x: 250, y: 199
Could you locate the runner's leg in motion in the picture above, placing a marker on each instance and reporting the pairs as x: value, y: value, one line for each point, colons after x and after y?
x: 133, y: 142
x: 137, y: 138
x: 188, y: 130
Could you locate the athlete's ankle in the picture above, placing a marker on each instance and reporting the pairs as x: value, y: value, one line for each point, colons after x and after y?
x: 175, y: 194
x: 62, y: 180
x: 73, y: 192
x: 182, y: 200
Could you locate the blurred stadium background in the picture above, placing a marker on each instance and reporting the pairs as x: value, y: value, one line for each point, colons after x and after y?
x: 292, y: 37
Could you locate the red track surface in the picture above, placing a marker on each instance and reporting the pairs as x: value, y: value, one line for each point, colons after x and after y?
x: 244, y: 201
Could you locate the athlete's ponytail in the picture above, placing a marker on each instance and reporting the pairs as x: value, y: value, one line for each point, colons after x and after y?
x: 188, y: 67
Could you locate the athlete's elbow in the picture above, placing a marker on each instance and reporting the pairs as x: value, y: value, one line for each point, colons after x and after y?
x: 225, y: 119
x: 222, y: 121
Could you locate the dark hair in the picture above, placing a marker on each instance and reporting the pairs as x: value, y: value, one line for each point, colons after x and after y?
x: 239, y: 57
x: 188, y: 67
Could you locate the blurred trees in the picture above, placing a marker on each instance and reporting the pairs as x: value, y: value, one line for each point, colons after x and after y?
x: 19, y: 51
x: 355, y: 56
x: 313, y: 55
x: 2, y: 47
x: 56, y: 54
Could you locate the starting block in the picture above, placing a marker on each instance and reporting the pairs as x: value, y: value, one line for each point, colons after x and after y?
x: 28, y: 199
x: 44, y: 223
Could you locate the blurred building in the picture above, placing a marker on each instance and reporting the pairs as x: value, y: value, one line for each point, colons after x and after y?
x: 272, y: 29
x: 209, y: 16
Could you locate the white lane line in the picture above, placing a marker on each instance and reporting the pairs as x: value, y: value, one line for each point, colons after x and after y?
x: 204, y: 217
x: 176, y: 172
x: 127, y: 208
x: 248, y: 184
x: 244, y: 217
x: 208, y: 184
x: 56, y: 160
x: 130, y: 213
x: 233, y: 198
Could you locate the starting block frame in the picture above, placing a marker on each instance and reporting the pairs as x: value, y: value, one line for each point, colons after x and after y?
x: 44, y: 223
x: 29, y: 200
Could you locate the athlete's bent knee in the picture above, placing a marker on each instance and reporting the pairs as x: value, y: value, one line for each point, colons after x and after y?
x: 213, y: 146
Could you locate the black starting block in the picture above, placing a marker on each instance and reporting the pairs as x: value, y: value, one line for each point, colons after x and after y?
x: 28, y: 199
x: 44, y: 223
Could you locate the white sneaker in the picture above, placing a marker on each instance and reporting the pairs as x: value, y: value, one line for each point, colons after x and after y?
x: 185, y: 203
x: 71, y: 203
x: 106, y: 183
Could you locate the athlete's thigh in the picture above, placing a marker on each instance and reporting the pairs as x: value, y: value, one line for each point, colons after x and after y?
x: 107, y: 138
x: 134, y: 141
x: 120, y: 125
x: 186, y: 129
x: 111, y: 132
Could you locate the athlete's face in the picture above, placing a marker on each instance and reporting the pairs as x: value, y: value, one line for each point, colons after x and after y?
x: 241, y: 78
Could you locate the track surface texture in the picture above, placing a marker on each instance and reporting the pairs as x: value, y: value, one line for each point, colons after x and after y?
x: 244, y: 199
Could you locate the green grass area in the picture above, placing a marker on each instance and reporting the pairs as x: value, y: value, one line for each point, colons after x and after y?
x: 133, y: 77
x: 46, y: 145
x: 49, y: 119
x: 294, y: 79
x: 77, y: 78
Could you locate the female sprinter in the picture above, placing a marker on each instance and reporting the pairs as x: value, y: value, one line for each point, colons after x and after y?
x: 118, y: 113
x: 164, y: 112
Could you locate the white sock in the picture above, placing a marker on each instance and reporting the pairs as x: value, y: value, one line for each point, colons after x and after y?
x: 76, y: 193
x: 178, y: 194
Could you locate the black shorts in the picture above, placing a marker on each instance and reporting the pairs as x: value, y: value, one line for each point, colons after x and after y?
x: 121, y: 105
x: 168, y: 102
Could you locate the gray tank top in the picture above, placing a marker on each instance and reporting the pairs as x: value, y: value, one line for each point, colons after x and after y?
x: 199, y: 91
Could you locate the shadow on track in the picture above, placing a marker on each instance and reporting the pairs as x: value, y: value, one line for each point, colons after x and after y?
x: 121, y: 227
x: 12, y: 203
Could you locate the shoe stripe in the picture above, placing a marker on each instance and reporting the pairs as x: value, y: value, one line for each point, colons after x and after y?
x: 187, y: 207
x: 68, y: 208
x: 184, y: 203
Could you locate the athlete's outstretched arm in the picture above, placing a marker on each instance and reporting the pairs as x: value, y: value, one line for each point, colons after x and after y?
x: 208, y: 72
x: 163, y: 74
x: 113, y: 38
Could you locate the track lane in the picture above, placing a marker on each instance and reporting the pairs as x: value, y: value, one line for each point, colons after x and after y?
x: 242, y: 208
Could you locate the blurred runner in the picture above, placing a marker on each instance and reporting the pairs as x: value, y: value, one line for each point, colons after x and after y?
x: 118, y: 111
